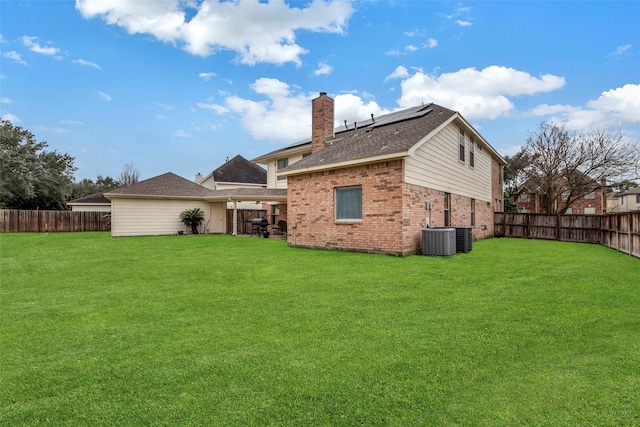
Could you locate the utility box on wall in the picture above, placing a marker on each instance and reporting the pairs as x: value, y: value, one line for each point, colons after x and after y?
x: 439, y: 241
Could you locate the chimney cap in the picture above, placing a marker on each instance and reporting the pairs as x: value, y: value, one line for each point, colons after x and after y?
x: 323, y: 93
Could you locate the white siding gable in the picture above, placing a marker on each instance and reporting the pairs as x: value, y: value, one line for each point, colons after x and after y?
x: 435, y: 165
x: 272, y: 172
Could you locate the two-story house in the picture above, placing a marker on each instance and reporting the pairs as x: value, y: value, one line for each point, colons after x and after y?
x: 374, y: 185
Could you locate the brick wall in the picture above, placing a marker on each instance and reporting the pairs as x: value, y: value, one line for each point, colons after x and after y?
x: 417, y: 216
x: 393, y: 213
x: 311, y: 205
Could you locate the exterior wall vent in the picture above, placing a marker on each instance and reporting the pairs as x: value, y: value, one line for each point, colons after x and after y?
x: 439, y: 241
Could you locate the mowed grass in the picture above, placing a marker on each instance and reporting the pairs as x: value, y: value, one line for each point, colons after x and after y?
x: 217, y: 330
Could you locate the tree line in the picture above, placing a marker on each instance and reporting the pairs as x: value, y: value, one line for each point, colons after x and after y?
x: 562, y: 166
x: 32, y: 177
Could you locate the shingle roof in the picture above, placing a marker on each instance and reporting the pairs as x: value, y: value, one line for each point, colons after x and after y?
x: 240, y: 170
x: 172, y: 185
x: 168, y: 184
x: 96, y: 198
x: 635, y: 190
x: 389, y: 134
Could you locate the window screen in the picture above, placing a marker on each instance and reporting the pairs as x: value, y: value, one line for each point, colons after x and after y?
x: 349, y: 203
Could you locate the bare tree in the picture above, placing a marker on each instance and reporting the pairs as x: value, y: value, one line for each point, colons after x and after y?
x: 567, y: 165
x: 129, y: 175
x: 515, y: 175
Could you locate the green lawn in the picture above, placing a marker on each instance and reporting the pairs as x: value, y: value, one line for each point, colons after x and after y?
x: 217, y: 330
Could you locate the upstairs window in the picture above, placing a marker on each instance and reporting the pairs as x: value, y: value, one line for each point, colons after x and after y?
x: 282, y: 163
x: 472, y: 153
x: 591, y: 195
x: 461, y: 146
x: 348, y: 202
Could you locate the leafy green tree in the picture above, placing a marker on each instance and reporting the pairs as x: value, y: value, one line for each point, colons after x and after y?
x: 30, y: 176
x: 86, y: 186
x: 192, y: 218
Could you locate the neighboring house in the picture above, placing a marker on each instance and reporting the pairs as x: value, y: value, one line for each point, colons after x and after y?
x: 612, y: 201
x: 236, y: 173
x: 367, y: 186
x: 629, y: 200
x: 530, y: 200
x: 153, y: 206
x: 91, y: 203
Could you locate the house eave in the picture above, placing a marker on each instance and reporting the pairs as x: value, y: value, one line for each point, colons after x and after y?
x: 346, y: 164
x: 266, y: 158
x: 151, y: 196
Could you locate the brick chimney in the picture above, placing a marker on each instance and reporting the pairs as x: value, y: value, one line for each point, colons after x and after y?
x: 321, y: 121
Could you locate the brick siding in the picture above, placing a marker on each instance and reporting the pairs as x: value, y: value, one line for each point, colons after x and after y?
x: 393, y: 212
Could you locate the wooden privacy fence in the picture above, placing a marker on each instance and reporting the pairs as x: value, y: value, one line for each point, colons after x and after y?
x: 619, y: 231
x: 14, y: 221
x: 244, y: 219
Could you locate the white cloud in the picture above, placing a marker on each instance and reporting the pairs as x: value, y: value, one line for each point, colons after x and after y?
x: 11, y: 118
x: 400, y: 72
x: 411, y: 47
x: 61, y: 131
x: 180, y: 133
x: 414, y: 33
x: 84, y: 63
x: 431, y: 43
x: 34, y: 46
x: 256, y: 31
x: 476, y: 94
x: 5, y: 100
x: 463, y: 23
x: 104, y: 96
x: 71, y: 122
x: 621, y: 49
x: 207, y: 76
x: 285, y: 115
x: 220, y: 109
x: 15, y: 57
x: 613, y: 108
x: 353, y: 108
x: 323, y: 69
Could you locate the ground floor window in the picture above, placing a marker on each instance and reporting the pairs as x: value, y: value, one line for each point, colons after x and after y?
x: 473, y: 212
x: 348, y: 203
x: 275, y: 214
x: 447, y: 209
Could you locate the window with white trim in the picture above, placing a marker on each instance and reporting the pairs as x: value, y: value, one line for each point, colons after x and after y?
x: 461, y: 146
x: 473, y: 211
x: 472, y: 152
x: 348, y: 203
x: 447, y: 209
x: 282, y: 163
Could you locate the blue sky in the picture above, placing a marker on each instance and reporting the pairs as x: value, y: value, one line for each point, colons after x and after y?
x: 181, y: 85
